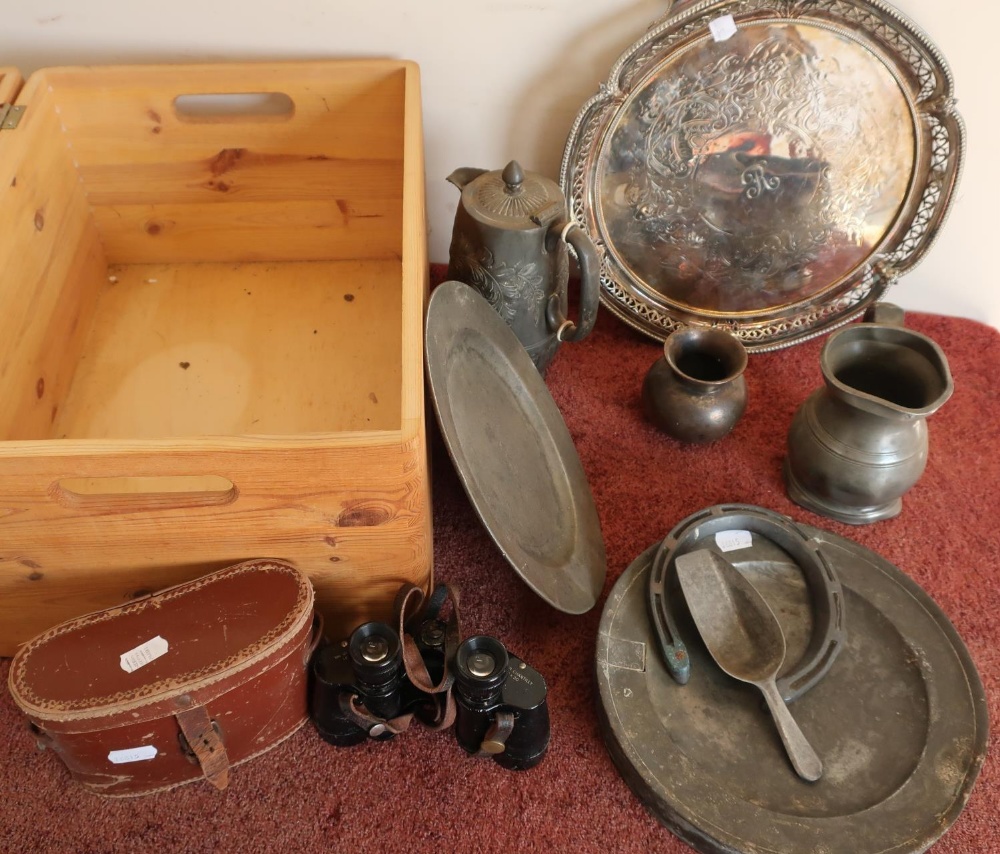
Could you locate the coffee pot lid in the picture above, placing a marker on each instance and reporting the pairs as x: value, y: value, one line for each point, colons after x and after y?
x: 513, y: 197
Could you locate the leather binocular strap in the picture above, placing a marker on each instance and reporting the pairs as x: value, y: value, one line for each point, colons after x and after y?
x: 206, y: 744
x: 446, y: 711
x: 367, y: 721
x: 495, y: 740
x: 410, y: 597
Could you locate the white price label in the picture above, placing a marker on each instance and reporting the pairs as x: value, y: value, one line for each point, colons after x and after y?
x: 133, y: 754
x: 730, y: 541
x: 722, y: 28
x: 143, y: 654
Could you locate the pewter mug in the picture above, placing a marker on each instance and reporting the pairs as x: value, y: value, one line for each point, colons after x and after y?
x: 509, y: 243
x: 860, y: 442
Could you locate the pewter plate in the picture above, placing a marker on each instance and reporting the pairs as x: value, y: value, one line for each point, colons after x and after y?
x: 512, y: 450
x: 900, y: 722
x: 774, y: 183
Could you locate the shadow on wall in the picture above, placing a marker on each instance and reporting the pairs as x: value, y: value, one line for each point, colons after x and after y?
x: 549, y: 104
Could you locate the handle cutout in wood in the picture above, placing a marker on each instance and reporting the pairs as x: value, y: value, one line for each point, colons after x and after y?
x: 135, y: 493
x: 234, y: 107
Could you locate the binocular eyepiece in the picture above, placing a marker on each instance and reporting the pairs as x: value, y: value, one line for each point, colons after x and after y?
x: 360, y: 686
x: 356, y: 686
x: 481, y: 669
x: 375, y: 656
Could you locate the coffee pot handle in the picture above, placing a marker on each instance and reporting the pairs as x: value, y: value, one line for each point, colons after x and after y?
x: 590, y: 285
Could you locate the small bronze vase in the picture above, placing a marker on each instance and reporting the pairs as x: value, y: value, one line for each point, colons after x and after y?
x: 696, y: 392
x: 860, y: 442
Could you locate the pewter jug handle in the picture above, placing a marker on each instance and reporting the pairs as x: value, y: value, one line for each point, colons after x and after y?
x: 885, y: 312
x: 590, y: 283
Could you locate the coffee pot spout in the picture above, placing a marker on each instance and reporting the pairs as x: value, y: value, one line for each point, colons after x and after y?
x: 461, y: 177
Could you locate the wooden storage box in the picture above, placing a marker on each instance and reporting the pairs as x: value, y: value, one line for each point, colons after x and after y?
x: 212, y: 282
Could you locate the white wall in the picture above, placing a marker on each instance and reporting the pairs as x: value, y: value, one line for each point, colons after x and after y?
x: 505, y: 78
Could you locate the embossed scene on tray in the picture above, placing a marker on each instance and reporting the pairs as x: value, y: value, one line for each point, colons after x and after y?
x: 756, y: 172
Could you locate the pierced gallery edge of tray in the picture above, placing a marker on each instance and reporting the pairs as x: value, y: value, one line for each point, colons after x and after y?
x: 774, y: 183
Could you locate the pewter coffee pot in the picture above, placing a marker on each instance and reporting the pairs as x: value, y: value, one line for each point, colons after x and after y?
x: 509, y: 243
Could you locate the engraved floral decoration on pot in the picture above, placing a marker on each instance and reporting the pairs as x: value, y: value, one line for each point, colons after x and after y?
x: 506, y: 286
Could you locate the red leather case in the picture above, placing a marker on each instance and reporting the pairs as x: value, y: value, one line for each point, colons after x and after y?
x: 230, y: 685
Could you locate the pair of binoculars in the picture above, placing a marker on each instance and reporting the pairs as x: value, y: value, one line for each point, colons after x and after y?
x: 361, y: 690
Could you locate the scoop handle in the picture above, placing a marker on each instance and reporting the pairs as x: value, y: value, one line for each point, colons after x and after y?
x: 804, y: 759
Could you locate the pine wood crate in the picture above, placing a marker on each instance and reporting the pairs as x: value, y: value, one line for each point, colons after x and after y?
x: 211, y: 307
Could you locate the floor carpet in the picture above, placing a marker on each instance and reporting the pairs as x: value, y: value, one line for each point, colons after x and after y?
x: 420, y: 792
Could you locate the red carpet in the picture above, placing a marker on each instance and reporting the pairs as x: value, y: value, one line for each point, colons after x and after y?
x: 420, y: 792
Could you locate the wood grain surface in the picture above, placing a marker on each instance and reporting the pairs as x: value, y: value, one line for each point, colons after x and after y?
x: 211, y: 335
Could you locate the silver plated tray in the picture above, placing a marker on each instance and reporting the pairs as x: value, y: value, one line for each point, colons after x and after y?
x: 775, y: 182
x: 512, y: 451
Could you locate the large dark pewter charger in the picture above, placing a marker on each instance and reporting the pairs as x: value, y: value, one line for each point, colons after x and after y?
x: 900, y: 719
x: 512, y: 450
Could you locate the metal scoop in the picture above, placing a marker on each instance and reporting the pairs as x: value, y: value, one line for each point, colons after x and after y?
x: 745, y: 639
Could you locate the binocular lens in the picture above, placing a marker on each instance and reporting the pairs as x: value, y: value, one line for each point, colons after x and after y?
x: 481, y: 664
x: 375, y: 654
x: 374, y: 649
x: 480, y: 668
x: 432, y: 633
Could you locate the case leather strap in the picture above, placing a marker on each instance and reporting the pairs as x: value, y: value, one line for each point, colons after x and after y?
x: 204, y: 740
